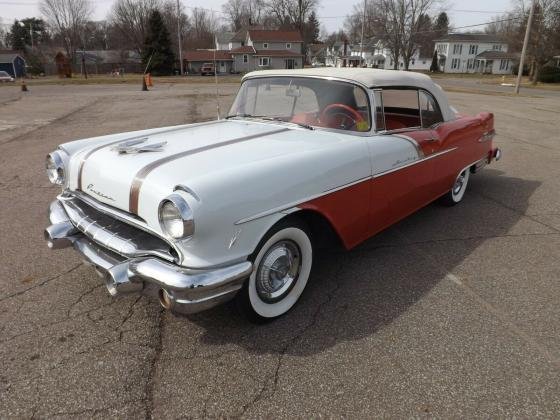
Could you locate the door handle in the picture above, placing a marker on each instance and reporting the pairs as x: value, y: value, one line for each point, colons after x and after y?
x: 433, y: 138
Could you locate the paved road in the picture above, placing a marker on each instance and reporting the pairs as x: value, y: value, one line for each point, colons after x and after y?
x: 453, y: 312
x: 490, y: 86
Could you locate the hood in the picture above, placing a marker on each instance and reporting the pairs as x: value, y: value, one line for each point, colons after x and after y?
x: 156, y: 162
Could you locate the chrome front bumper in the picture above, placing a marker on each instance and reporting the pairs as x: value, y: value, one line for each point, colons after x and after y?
x: 179, y: 289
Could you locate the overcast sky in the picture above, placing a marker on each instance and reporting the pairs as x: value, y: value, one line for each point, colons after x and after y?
x: 331, y: 12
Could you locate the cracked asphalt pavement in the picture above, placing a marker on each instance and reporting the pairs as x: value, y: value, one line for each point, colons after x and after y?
x: 454, y: 312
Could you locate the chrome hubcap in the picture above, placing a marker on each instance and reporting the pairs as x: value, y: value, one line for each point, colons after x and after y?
x: 459, y: 184
x: 278, y: 271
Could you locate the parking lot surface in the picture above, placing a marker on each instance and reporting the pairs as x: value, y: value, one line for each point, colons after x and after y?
x: 454, y: 312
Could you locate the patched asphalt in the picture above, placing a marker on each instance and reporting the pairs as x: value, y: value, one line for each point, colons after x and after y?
x: 453, y: 312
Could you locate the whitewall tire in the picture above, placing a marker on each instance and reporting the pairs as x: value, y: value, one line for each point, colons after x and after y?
x: 281, y: 268
x: 457, y: 192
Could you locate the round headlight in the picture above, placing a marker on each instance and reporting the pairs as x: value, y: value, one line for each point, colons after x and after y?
x: 176, y: 217
x: 55, y: 168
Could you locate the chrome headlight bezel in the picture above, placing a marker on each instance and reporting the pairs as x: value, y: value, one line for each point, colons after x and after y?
x: 56, y: 167
x: 178, y: 223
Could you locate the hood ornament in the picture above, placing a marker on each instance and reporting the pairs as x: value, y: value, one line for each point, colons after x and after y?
x: 138, y: 146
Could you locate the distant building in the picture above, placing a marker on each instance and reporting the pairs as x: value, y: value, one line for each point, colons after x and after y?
x: 474, y: 53
x: 195, y: 59
x: 372, y: 54
x: 12, y: 63
x: 250, y: 49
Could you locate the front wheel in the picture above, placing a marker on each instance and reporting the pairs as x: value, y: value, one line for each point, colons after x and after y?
x: 455, y: 195
x: 282, y: 266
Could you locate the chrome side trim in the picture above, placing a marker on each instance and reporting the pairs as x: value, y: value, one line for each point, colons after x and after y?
x: 289, y: 207
x: 139, y: 178
x: 298, y: 202
x: 137, y: 137
x: 398, y: 168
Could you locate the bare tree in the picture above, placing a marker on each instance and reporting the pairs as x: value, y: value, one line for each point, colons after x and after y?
x: 203, y: 27
x: 67, y: 18
x: 292, y: 13
x: 243, y: 13
x: 131, y: 18
x: 171, y: 18
x: 544, y: 40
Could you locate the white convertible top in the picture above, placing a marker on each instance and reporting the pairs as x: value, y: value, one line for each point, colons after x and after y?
x: 371, y: 78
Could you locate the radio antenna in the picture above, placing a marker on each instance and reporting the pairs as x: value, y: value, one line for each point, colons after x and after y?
x: 216, y: 83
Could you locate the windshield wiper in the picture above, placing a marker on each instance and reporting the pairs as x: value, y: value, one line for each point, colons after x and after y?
x: 245, y: 116
x: 303, y: 125
x: 267, y: 118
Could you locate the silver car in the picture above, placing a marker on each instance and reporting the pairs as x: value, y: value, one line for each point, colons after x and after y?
x: 5, y: 77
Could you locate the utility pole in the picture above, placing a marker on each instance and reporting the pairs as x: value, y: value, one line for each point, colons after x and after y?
x: 362, y: 38
x: 179, y: 37
x: 524, y: 50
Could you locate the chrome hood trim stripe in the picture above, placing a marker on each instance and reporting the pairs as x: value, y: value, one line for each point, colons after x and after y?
x: 145, y: 171
x: 140, y: 136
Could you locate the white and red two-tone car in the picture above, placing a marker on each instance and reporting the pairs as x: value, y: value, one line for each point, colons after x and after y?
x: 199, y: 214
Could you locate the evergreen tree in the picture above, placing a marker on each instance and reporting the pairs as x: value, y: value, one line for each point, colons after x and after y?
x: 21, y: 31
x: 17, y: 36
x: 313, y: 28
x: 434, y: 67
x: 157, y: 45
x: 442, y: 24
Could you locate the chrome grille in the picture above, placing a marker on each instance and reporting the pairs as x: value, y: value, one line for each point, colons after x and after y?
x: 114, y: 234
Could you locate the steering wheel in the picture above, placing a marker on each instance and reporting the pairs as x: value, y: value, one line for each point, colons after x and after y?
x: 347, y: 113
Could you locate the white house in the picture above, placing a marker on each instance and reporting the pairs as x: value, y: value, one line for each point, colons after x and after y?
x: 474, y: 53
x: 373, y: 53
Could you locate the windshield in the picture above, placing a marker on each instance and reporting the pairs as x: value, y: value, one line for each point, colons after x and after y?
x: 304, y: 101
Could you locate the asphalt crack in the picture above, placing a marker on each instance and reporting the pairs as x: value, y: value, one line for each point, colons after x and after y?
x: 316, y: 316
x: 44, y: 282
x: 150, y: 382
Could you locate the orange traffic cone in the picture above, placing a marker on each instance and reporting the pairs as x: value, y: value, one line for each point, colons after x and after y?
x: 149, y: 76
x: 144, y: 84
x: 23, y: 86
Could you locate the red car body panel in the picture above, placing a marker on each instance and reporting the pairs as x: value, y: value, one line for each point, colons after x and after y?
x: 448, y: 149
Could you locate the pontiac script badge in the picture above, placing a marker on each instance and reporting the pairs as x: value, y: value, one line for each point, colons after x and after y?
x: 92, y: 189
x: 138, y: 146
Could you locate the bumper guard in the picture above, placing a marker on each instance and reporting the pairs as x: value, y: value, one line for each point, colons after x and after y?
x: 179, y: 289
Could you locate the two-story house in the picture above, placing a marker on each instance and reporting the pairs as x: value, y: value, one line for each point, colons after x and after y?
x: 259, y: 49
x: 248, y: 50
x: 474, y: 53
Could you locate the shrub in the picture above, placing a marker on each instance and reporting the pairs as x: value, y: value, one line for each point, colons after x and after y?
x: 549, y: 74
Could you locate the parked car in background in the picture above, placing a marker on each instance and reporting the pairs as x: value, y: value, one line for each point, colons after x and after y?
x: 6, y: 77
x: 208, y: 69
x: 235, y: 209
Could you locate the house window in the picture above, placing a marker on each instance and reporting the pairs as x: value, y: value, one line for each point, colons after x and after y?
x: 455, y: 63
x: 470, y: 63
x: 458, y: 49
x: 504, y: 64
x: 265, y: 45
x: 264, y: 61
x: 288, y: 46
x: 245, y: 58
x: 497, y: 47
x: 473, y: 49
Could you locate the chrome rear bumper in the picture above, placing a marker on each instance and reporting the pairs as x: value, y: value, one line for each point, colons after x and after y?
x: 179, y: 289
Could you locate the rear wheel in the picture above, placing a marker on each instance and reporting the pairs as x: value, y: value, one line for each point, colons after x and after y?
x: 455, y: 195
x: 282, y: 266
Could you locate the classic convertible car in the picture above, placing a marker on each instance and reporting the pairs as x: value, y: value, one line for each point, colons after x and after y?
x: 203, y: 213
